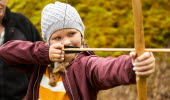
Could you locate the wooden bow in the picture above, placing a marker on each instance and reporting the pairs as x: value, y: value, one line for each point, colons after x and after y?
x: 139, y: 46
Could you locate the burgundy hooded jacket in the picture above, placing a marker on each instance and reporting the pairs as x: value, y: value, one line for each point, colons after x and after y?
x: 87, y: 74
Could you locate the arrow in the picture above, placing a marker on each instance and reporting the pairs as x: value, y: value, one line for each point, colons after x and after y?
x: 77, y: 49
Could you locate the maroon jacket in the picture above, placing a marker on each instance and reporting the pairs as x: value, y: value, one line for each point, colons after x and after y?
x: 87, y: 74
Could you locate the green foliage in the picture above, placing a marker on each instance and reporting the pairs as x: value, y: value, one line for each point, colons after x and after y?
x: 109, y: 23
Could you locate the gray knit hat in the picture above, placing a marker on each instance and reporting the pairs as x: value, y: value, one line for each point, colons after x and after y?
x: 58, y: 16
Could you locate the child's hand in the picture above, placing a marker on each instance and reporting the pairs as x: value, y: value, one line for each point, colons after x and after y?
x: 144, y: 65
x: 56, y: 54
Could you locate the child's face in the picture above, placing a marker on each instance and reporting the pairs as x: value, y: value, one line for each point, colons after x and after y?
x: 68, y: 37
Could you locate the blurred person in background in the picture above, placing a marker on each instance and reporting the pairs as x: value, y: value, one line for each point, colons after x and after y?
x: 14, y: 26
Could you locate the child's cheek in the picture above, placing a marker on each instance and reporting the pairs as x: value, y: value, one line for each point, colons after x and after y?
x: 76, y: 43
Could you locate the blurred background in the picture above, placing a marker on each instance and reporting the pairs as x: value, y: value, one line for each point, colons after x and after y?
x: 109, y: 24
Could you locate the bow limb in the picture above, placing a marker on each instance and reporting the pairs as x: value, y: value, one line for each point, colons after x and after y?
x: 139, y: 46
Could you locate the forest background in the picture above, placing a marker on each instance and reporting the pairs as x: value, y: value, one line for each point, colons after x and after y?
x: 109, y: 24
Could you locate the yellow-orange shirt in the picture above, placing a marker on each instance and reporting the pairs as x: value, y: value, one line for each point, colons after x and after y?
x: 47, y: 92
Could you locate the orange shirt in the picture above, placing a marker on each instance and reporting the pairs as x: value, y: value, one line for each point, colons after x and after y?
x: 47, y: 92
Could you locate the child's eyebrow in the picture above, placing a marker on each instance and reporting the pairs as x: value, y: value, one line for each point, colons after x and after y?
x: 72, y: 31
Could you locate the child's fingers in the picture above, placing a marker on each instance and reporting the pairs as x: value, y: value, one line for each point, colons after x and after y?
x: 144, y: 62
x: 133, y: 55
x: 58, y: 46
x: 144, y: 65
x: 57, y: 56
x: 58, y: 60
x: 144, y: 56
x: 56, y: 51
x: 145, y: 73
x: 144, y: 68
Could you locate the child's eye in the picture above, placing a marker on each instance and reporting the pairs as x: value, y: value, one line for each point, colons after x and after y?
x: 58, y: 38
x: 71, y: 34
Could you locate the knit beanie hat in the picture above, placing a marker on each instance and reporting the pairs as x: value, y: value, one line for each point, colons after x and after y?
x: 56, y: 16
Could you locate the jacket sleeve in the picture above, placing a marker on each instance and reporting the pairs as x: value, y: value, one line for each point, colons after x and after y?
x: 104, y: 73
x: 25, y: 52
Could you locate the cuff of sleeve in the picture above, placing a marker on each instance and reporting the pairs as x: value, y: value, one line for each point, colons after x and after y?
x: 131, y: 73
x: 44, y: 54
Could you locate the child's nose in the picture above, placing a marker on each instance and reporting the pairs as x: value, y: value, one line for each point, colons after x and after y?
x: 66, y: 42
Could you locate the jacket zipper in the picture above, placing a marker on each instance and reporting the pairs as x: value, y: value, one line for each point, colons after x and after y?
x: 36, y: 82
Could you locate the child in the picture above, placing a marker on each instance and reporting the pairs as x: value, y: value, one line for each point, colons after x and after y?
x: 76, y: 76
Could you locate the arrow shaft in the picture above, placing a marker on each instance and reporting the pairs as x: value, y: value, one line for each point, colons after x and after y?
x: 115, y: 49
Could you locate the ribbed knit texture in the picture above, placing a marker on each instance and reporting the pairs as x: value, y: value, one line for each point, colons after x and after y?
x: 58, y: 16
